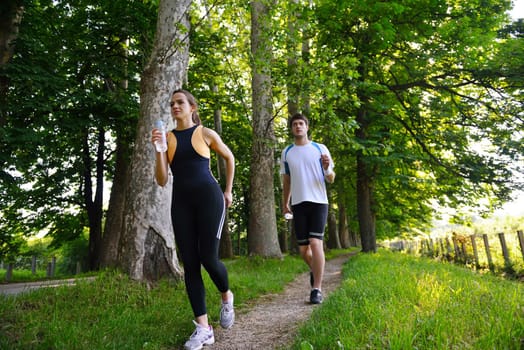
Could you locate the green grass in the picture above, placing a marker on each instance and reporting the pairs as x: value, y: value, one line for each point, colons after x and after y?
x: 39, y: 275
x: 387, y: 301
x: 114, y: 312
x: 395, y: 301
x: 23, y: 276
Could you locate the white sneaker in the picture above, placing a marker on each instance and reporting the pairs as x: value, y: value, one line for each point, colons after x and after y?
x: 227, y: 313
x: 200, y: 337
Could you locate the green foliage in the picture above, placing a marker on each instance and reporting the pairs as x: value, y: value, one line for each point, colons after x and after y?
x: 73, y: 87
x: 219, y: 79
x: 436, y: 100
x: 71, y: 253
x: 424, y: 97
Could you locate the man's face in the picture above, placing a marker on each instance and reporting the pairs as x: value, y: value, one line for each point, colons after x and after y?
x: 299, y: 127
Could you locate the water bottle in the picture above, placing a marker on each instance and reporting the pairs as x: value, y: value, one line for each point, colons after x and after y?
x: 288, y: 216
x: 161, y: 145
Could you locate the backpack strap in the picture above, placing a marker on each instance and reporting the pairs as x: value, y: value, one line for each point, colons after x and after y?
x: 316, y: 146
x: 320, y: 151
x: 286, y: 166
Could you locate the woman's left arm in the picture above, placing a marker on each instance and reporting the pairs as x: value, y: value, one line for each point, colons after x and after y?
x: 216, y: 144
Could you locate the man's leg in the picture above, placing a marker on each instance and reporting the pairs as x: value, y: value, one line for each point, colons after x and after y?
x: 318, y: 261
x: 307, y: 255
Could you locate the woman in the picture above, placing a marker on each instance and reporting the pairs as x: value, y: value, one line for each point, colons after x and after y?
x: 198, y: 209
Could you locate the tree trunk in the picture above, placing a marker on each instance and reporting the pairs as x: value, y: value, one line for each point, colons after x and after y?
x: 292, y: 81
x: 117, y: 197
x: 115, y: 211
x: 366, y: 217
x: 10, y: 18
x: 94, y: 203
x: 147, y: 247
x: 226, y: 246
x: 343, y: 231
x: 305, y: 88
x: 333, y: 241
x: 293, y: 93
x: 365, y: 213
x: 262, y: 229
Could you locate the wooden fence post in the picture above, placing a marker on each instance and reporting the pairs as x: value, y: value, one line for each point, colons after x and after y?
x: 475, y: 252
x: 9, y: 272
x: 448, y: 249
x: 521, y: 241
x: 464, y: 251
x: 429, y: 247
x: 488, y: 252
x: 413, y: 247
x: 53, y: 265
x: 505, y: 251
x: 455, y: 246
x: 33, y: 264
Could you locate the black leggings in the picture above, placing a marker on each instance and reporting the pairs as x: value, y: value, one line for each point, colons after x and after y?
x: 198, y: 216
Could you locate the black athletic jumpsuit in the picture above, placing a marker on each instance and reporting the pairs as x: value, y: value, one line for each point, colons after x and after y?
x: 197, y: 212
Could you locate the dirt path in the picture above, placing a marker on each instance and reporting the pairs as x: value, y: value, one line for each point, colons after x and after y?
x: 274, y: 320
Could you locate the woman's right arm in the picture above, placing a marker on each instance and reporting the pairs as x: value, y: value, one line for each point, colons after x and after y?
x: 161, y: 160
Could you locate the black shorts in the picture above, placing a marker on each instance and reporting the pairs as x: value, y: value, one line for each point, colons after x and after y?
x: 309, y: 220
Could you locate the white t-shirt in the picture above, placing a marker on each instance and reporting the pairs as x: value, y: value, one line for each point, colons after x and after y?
x: 304, y: 166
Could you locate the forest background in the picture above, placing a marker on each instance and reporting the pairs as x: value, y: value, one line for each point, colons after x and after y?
x: 419, y: 102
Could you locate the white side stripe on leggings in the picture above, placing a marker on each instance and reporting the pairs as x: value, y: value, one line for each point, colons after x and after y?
x: 219, y: 233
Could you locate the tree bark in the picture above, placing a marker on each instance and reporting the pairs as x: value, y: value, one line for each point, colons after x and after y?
x: 94, y: 203
x: 366, y: 217
x: 147, y: 247
x: 226, y: 246
x: 115, y: 211
x: 365, y: 212
x: 333, y: 241
x: 293, y: 93
x: 343, y: 231
x: 10, y: 19
x: 292, y: 81
x: 262, y: 228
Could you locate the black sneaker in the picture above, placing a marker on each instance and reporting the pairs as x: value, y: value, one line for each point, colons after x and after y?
x: 315, y: 297
x: 311, y: 279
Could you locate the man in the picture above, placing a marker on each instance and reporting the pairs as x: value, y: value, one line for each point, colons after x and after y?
x: 305, y: 166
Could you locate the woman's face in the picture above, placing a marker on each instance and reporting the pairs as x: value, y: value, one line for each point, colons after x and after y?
x: 180, y: 107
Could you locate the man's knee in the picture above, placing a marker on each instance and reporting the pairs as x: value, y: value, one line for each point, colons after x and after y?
x: 315, y: 242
